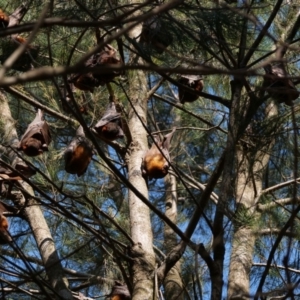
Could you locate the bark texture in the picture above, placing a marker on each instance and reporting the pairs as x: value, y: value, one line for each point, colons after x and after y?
x: 250, y: 170
x: 140, y: 223
x: 172, y: 283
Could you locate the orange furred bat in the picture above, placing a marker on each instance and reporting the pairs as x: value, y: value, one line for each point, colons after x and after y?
x: 278, y: 86
x: 37, y: 137
x: 4, y: 233
x: 109, y: 127
x: 79, y: 153
x: 4, y: 19
x: 155, y: 164
x: 194, y: 82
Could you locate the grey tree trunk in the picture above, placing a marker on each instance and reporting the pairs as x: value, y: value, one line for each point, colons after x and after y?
x: 34, y: 214
x: 140, y: 223
x: 172, y: 283
x: 250, y: 170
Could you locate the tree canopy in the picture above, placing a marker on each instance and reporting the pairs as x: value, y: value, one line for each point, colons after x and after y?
x: 149, y: 149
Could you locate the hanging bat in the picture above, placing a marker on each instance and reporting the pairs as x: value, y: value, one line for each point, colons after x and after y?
x: 154, y: 33
x: 155, y: 164
x: 192, y: 81
x: 37, y: 137
x: 11, y: 43
x: 78, y: 154
x: 4, y: 19
x: 278, y: 86
x: 24, y: 62
x: 106, y: 57
x: 109, y: 127
x: 4, y: 233
x: 85, y: 82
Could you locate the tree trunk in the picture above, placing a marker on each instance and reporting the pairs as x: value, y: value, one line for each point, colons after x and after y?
x: 172, y: 283
x: 34, y: 215
x: 140, y: 223
x: 251, y: 166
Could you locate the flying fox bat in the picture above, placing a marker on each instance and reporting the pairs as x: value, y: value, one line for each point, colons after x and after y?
x: 106, y: 57
x: 192, y: 81
x: 78, y: 154
x: 37, y: 137
x: 278, y: 86
x: 87, y: 82
x: 24, y: 62
x: 109, y: 126
x: 84, y: 82
x: 154, y: 33
x: 4, y: 19
x: 155, y: 164
x: 4, y: 233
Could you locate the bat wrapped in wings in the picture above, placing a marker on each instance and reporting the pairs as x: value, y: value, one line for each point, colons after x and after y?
x: 12, y: 42
x: 4, y: 19
x: 88, y: 81
x: 194, y: 82
x: 155, y: 34
x: 78, y: 154
x: 109, y: 127
x: 156, y: 161
x: 278, y: 86
x: 37, y: 137
x: 106, y: 57
x: 4, y: 233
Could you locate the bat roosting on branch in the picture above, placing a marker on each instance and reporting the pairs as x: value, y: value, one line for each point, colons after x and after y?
x: 78, y: 154
x: 154, y: 33
x: 37, y: 137
x: 278, y: 86
x: 4, y: 19
x: 109, y: 127
x: 95, y: 78
x: 194, y: 82
x: 12, y: 42
x: 156, y: 161
x: 4, y: 233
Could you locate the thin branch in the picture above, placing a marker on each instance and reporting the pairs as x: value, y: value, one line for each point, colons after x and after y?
x: 276, y: 203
